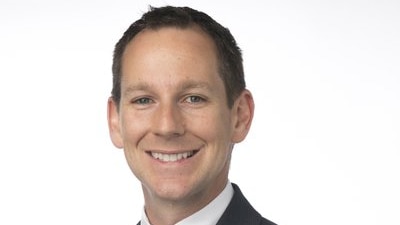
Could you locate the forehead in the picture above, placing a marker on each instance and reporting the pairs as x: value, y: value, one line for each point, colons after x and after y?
x: 192, y: 38
x: 170, y: 51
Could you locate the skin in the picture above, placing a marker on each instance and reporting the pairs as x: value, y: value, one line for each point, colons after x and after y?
x: 173, y: 101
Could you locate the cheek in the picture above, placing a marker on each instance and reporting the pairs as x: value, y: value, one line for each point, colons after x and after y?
x: 213, y: 127
x: 133, y: 130
x: 132, y: 126
x: 217, y: 133
x: 135, y: 163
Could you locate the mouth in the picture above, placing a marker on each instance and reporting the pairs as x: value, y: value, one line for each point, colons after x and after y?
x: 172, y: 157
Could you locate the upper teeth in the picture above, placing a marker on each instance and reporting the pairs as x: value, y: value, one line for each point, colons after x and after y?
x: 171, y: 157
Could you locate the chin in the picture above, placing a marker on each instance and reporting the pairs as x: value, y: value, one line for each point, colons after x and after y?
x: 170, y: 190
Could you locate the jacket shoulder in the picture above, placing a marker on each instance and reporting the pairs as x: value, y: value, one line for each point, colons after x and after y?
x: 266, y: 222
x: 240, y: 212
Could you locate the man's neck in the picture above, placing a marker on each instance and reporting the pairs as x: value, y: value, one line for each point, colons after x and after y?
x: 166, y: 212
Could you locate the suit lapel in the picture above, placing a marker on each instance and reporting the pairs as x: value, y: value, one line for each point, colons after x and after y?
x: 239, y: 211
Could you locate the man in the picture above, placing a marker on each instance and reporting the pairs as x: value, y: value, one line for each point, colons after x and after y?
x: 178, y: 106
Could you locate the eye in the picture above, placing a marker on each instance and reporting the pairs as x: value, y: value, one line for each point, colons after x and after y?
x: 142, y: 101
x: 194, y: 99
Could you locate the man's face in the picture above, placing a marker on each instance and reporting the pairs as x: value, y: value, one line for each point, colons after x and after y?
x: 173, y: 122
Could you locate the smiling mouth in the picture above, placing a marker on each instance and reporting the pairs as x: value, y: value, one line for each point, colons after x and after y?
x: 173, y: 157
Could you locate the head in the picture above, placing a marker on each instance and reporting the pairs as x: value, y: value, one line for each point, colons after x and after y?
x: 170, y: 110
x: 229, y: 54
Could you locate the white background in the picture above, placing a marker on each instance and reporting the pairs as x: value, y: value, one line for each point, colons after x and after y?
x: 325, y: 143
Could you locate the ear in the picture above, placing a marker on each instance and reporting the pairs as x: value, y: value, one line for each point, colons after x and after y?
x: 113, y: 123
x: 243, y: 111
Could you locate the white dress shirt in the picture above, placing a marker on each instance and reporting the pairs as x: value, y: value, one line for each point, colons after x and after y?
x: 209, y: 215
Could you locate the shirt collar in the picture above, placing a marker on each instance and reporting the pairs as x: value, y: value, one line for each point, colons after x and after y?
x: 209, y: 215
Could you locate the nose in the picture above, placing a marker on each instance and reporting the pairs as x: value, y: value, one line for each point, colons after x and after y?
x: 168, y: 121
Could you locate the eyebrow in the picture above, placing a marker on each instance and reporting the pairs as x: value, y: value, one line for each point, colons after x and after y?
x: 136, y: 87
x: 195, y: 85
x: 184, y: 86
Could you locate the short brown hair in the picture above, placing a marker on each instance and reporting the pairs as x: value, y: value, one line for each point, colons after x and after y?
x: 228, y: 52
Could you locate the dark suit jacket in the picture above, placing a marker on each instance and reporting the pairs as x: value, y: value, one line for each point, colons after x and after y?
x: 240, y: 212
